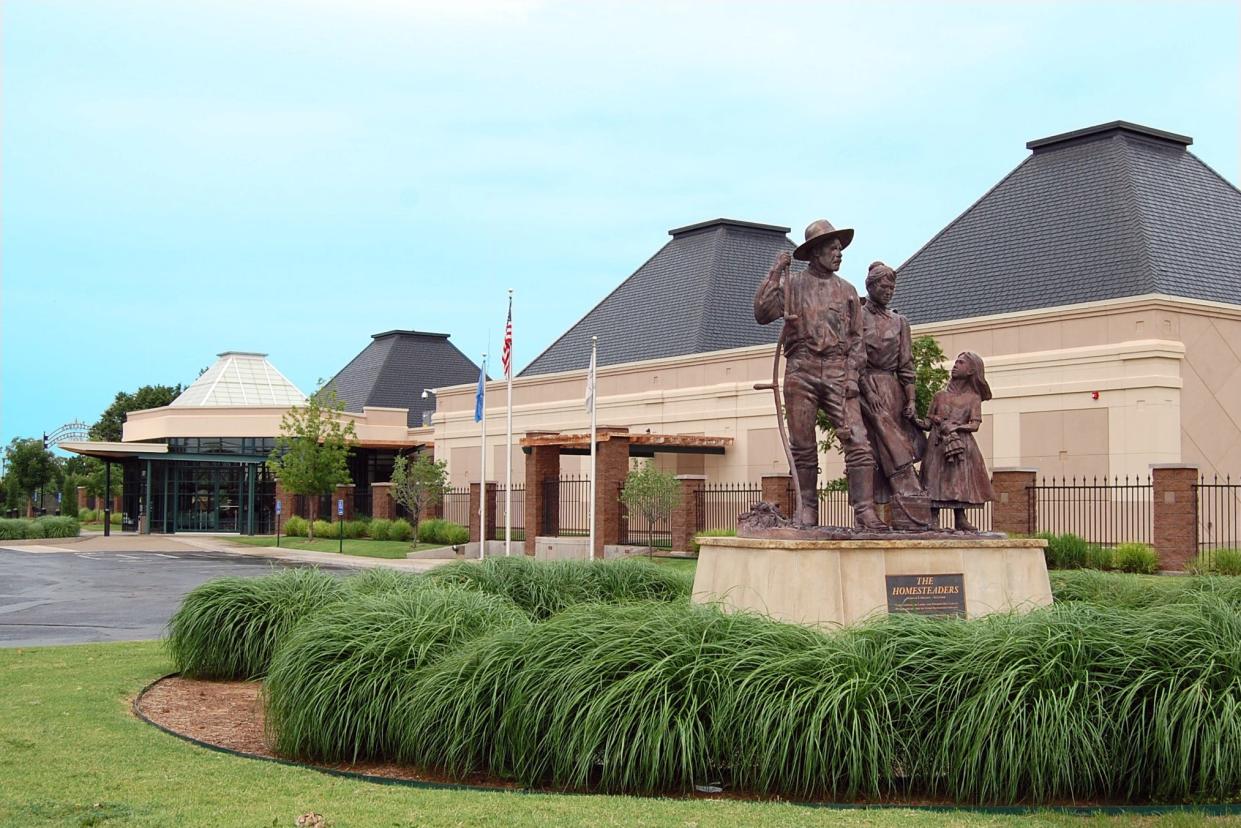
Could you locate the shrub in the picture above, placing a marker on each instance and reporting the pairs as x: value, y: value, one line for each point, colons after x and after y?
x: 296, y: 527
x: 334, y: 681
x: 228, y: 628
x: 1066, y: 551
x: 13, y: 528
x: 59, y: 527
x: 1097, y: 557
x: 324, y: 529
x: 86, y: 515
x: 116, y: 518
x: 710, y: 533
x: 400, y: 530
x: 544, y: 588
x: 443, y: 532
x: 1228, y: 561
x: 382, y: 579
x: 1135, y: 557
x: 353, y: 529
x: 34, y: 528
x: 378, y: 528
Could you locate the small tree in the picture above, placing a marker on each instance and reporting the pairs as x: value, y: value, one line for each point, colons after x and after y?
x: 651, y: 493
x: 30, y: 465
x: 418, y: 484
x: 148, y: 396
x: 95, y: 477
x: 312, y: 447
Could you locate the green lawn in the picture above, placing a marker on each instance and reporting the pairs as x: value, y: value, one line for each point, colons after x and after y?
x: 72, y: 753
x: 366, y: 548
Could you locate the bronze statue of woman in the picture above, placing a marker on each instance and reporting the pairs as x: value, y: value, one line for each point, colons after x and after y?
x: 888, y: 391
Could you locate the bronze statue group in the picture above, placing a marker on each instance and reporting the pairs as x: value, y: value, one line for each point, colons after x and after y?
x: 853, y: 359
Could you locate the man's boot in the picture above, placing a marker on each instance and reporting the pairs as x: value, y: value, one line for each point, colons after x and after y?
x: 862, y: 498
x: 808, y: 510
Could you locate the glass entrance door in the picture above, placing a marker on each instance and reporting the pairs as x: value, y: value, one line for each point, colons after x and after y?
x: 208, y: 497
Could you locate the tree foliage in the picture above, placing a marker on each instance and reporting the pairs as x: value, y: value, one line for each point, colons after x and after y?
x: 651, y: 493
x: 108, y: 427
x: 95, y: 477
x: 310, y: 453
x: 29, y: 466
x: 418, y: 483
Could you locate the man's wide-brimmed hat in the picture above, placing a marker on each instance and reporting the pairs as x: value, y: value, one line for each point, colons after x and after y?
x: 818, y: 232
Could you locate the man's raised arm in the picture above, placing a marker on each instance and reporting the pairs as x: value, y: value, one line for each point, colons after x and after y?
x: 769, y: 300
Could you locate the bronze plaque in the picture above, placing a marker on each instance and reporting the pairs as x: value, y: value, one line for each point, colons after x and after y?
x: 927, y: 594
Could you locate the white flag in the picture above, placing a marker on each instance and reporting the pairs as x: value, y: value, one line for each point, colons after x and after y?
x: 590, y: 380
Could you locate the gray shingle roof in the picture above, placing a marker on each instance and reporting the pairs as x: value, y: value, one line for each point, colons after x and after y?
x: 1101, y: 213
x: 694, y: 295
x: 396, y: 366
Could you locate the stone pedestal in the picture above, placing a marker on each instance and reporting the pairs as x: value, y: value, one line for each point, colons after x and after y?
x: 831, y: 583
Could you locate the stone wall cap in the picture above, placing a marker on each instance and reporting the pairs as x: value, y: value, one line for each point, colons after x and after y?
x: 848, y: 545
x: 1173, y: 466
x: 691, y: 477
x: 1015, y: 469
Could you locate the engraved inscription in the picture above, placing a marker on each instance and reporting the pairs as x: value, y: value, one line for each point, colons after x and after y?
x: 927, y: 594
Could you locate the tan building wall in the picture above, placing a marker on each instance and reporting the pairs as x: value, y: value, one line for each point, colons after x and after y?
x: 1167, y: 373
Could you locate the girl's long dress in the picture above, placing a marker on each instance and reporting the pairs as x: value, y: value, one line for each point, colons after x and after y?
x: 965, y: 481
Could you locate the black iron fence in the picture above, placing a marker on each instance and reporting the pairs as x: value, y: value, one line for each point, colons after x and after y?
x: 1219, y: 504
x: 566, y: 506
x: 361, y: 503
x: 719, y: 504
x: 457, y: 505
x: 1098, y: 511
x: 519, y: 512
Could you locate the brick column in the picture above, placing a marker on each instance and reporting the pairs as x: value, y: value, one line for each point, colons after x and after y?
x: 542, y: 465
x: 382, y: 506
x: 1175, y: 514
x: 685, y: 516
x: 490, y: 528
x: 343, y: 492
x: 1013, y: 510
x: 778, y: 489
x: 285, y: 499
x: 80, y: 497
x: 116, y: 505
x: 611, y: 467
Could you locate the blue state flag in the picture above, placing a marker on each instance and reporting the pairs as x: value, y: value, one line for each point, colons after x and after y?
x: 482, y: 392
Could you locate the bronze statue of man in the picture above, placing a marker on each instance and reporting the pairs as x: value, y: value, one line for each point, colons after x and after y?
x: 825, y: 355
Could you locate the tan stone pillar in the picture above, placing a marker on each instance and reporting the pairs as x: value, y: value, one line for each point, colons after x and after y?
x: 382, y: 505
x: 1014, y: 508
x: 685, y: 516
x: 611, y: 467
x: 1175, y: 514
x: 344, y: 492
x: 475, y: 495
x: 778, y: 489
x: 542, y: 465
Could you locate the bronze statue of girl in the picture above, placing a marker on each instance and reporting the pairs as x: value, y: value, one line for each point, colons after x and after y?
x: 953, y: 470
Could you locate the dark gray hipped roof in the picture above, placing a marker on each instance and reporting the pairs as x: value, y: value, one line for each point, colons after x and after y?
x: 694, y: 295
x: 392, y: 371
x: 1100, y: 213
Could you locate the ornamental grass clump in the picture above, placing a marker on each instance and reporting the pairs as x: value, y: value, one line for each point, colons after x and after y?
x: 335, y: 679
x: 609, y: 698
x: 1136, y: 592
x: 228, y: 628
x: 382, y: 580
x: 544, y: 588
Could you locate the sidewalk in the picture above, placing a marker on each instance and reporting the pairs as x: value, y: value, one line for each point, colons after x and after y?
x: 130, y: 542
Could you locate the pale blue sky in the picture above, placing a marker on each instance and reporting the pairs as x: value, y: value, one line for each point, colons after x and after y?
x: 185, y: 178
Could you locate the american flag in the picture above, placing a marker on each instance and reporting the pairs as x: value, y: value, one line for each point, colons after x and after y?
x: 506, y: 357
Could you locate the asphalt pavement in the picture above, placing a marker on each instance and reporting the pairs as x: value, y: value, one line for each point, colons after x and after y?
x: 70, y: 594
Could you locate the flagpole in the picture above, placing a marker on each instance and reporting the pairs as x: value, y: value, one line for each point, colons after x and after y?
x: 594, y: 405
x: 482, y: 488
x: 508, y: 457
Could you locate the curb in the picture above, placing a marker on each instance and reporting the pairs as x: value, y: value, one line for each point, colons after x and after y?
x: 1206, y: 809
